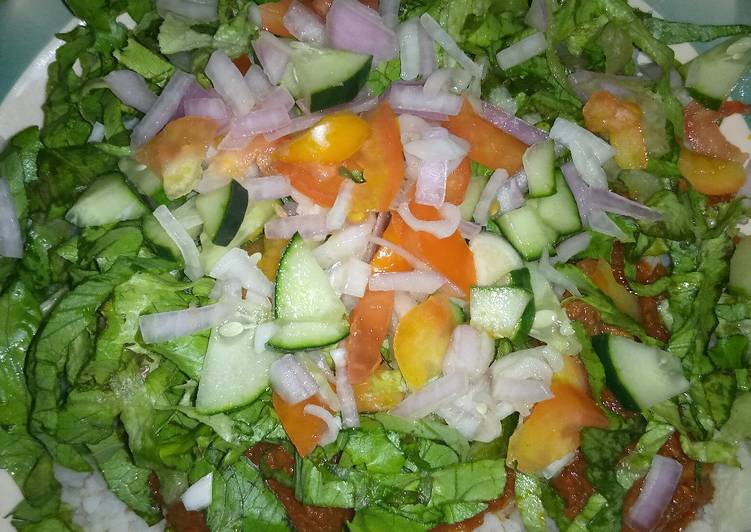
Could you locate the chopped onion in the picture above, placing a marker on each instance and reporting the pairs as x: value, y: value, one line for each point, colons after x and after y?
x: 587, y: 164
x: 571, y: 246
x: 520, y: 391
x: 489, y: 193
x: 403, y: 303
x: 656, y: 494
x: 352, y: 26
x: 162, y: 110
x: 514, y: 126
x: 608, y: 201
x: 198, y: 10
x: 11, y: 239
x: 522, y: 51
x: 599, y: 221
x: 273, y: 55
x: 227, y: 291
x: 432, y: 396
x: 267, y: 188
x: 228, y: 81
x: 427, y: 52
x: 555, y: 277
x: 12, y: 496
x: 278, y: 97
x: 564, y: 131
x: 389, y: 10
x: 198, y: 496
x: 333, y: 424
x: 350, y: 277
x: 470, y: 351
x: 556, y: 466
x: 448, y: 44
x: 244, y: 128
x: 510, y: 196
x: 290, y: 380
x: 208, y: 107
x: 579, y: 189
x: 263, y: 333
x: 437, y: 148
x: 445, y: 79
x: 411, y: 99
x: 469, y: 230
x: 431, y: 181
x: 409, y: 49
x: 443, y: 228
x: 131, y: 89
x: 337, y: 215
x: 417, y: 282
x: 259, y: 83
x: 315, y: 364
x: 166, y: 326
x: 349, y: 242
x: 182, y: 240
x: 403, y: 253
x: 236, y: 265
x: 538, y: 15
x: 304, y: 24
x: 97, y: 133
x: 344, y: 390
x: 308, y: 225
x: 359, y: 105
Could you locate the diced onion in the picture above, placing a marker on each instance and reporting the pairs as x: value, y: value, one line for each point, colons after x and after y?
x: 198, y: 496
x: 263, y: 120
x: 448, y: 44
x: 263, y: 333
x: 11, y: 239
x: 563, y: 131
x: 208, y: 107
x: 349, y: 242
x: 228, y: 81
x: 258, y: 82
x: 469, y: 230
x: 522, y: 51
x: 350, y: 277
x: 432, y: 396
x: 267, y: 188
x: 611, y: 202
x: 445, y: 79
x: 273, y: 54
x: 489, y: 193
x: 555, y: 277
x: 470, y: 351
x: 417, y: 282
x: 352, y: 26
x: 656, y: 494
x: 162, y: 110
x: 520, y: 391
x: 237, y: 266
x: 571, y: 246
x: 403, y: 303
x: 198, y: 10
x: 304, y: 24
x: 131, y: 89
x: 308, y: 225
x: 587, y: 164
x: 182, y: 240
x: 11, y: 494
x: 599, y: 221
x: 510, y: 196
x: 165, y: 326
x: 427, y: 52
x: 333, y: 423
x: 389, y: 10
x: 514, y: 126
x: 409, y: 49
x: 278, y: 97
x: 443, y: 228
x: 437, y: 148
x: 411, y: 99
x: 291, y: 381
x: 344, y: 391
x: 337, y: 215
x: 538, y: 15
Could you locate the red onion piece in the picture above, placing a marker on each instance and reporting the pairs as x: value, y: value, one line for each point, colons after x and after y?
x: 444, y: 228
x: 198, y: 10
x: 427, y: 52
x: 304, y: 24
x: 352, y: 26
x: 258, y: 82
x: 244, y: 128
x: 278, y: 97
x: 489, y: 193
x: 267, y: 188
x: 571, y: 247
x: 409, y: 49
x: 389, y: 10
x: 611, y: 202
x: 510, y: 196
x: 469, y: 230
x: 432, y: 396
x: 522, y: 51
x: 444, y: 79
x: 308, y: 225
x: 411, y: 99
x: 237, y: 266
x: 166, y: 326
x: 182, y: 240
x: 514, y: 126
x: 97, y: 133
x: 448, y: 44
x: 599, y: 221
x: 273, y: 54
x: 417, y: 282
x: 131, y: 89
x: 333, y: 424
x: 229, y: 83
x: 556, y: 278
x: 11, y: 240
x: 579, y: 189
x: 344, y: 391
x: 470, y: 351
x: 431, y: 182
x: 290, y: 380
x: 538, y: 15
x: 656, y: 494
x: 437, y: 145
x: 589, y: 167
x: 162, y: 110
x: 208, y: 107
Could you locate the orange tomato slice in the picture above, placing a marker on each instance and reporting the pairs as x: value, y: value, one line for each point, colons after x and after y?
x: 457, y: 183
x: 236, y: 163
x: 620, y: 120
x: 369, y: 325
x: 714, y: 177
x: 272, y: 14
x: 601, y: 274
x: 381, y: 392
x: 319, y: 182
x: 488, y: 145
x: 422, y: 338
x: 573, y: 374
x: 304, y: 430
x: 332, y: 140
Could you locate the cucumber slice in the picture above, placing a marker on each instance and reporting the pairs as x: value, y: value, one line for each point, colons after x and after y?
x: 559, y: 211
x: 327, y: 77
x: 307, y: 309
x: 527, y: 232
x: 223, y: 211
x: 521, y: 278
x: 108, y: 200
x: 146, y: 182
x: 711, y: 76
x: 740, y: 267
x: 539, y: 165
x: 472, y: 196
x: 187, y: 215
x: 494, y: 258
x: 233, y: 373
x: 641, y: 376
x: 498, y: 310
x: 551, y: 325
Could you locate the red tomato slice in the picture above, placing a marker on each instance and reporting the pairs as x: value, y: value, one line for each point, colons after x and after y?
x: 304, y: 430
x: 702, y: 131
x: 272, y: 14
x: 711, y: 176
x: 457, y: 183
x: 319, y: 182
x: 369, y: 325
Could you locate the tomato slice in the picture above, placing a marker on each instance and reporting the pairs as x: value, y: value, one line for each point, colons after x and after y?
x: 332, y: 140
x: 236, y: 163
x: 702, y: 132
x: 304, y: 430
x: 620, y: 120
x: 488, y: 145
x: 319, y: 182
x: 457, y: 182
x: 601, y: 274
x: 272, y: 14
x: 369, y: 325
x: 714, y: 177
x: 382, y: 391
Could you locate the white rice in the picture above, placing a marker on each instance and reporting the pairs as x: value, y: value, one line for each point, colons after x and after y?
x: 95, y: 508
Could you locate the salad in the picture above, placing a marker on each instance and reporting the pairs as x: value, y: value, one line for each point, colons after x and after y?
x: 430, y: 265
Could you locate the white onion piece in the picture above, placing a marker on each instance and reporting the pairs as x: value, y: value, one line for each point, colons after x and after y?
x: 333, y: 424
x: 11, y: 240
x: 445, y: 79
x: 258, y: 82
x: 211, y: 181
x: 198, y: 496
x: 308, y: 225
x: 489, y: 193
x: 337, y: 215
x: 254, y: 15
x: 448, y: 44
x: 443, y: 228
x: 304, y: 24
x: 470, y: 351
x: 563, y: 131
x: 236, y: 265
x: 599, y: 221
x: 291, y: 381
x: 131, y: 89
x: 162, y: 110
x: 469, y: 230
x: 11, y: 495
x: 526, y: 364
x: 278, y: 97
x: 538, y: 15
x: 263, y: 333
x: 427, y: 52
x: 228, y: 81
x: 522, y: 51
x: 227, y: 291
x: 411, y: 128
x: 410, y: 99
x: 555, y: 277
x: 587, y: 164
x: 273, y: 54
x: 182, y: 240
x: 409, y: 49
x: 389, y: 10
x: 657, y: 492
x: 208, y: 107
x: 510, y: 196
x: 344, y: 391
x: 244, y: 128
x: 267, y: 188
x: 416, y: 282
x: 520, y: 391
x: 432, y: 178
x: 199, y: 10
x: 349, y: 242
x: 403, y: 303
x: 432, y: 396
x: 165, y: 326
x: 352, y: 26
x: 350, y: 277
x: 556, y: 466
x: 571, y: 246
x: 437, y: 148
